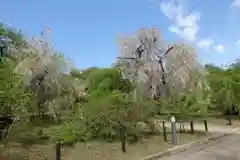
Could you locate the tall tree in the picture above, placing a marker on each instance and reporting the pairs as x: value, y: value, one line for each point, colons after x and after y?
x: 157, y: 68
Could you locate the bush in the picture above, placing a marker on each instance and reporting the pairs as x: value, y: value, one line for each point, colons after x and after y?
x: 102, y: 118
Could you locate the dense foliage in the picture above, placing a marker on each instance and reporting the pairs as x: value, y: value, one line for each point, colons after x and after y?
x: 52, y: 100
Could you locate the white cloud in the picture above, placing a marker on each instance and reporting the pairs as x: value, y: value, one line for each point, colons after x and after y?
x: 219, y: 48
x: 236, y: 3
x: 184, y: 24
x: 205, y: 43
x: 209, y: 43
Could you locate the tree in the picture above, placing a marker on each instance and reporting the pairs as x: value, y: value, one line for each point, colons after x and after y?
x: 107, y: 80
x: 14, y: 97
x: 225, y: 86
x: 45, y: 72
x: 158, y: 69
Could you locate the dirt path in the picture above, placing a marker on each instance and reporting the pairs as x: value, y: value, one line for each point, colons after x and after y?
x: 224, y: 149
x: 213, y: 127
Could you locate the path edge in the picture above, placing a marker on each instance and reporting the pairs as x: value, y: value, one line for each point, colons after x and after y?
x: 181, y: 148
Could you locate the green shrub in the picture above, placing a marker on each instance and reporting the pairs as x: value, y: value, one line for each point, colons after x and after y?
x: 102, y: 117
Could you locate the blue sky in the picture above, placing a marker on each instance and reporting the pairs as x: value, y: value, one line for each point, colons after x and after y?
x: 86, y: 30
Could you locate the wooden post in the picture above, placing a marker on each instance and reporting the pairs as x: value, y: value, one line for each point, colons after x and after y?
x: 164, y: 131
x: 205, y: 125
x: 191, y: 126
x: 1, y: 53
x: 123, y: 138
x: 58, y: 151
x: 229, y: 120
x: 180, y: 125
